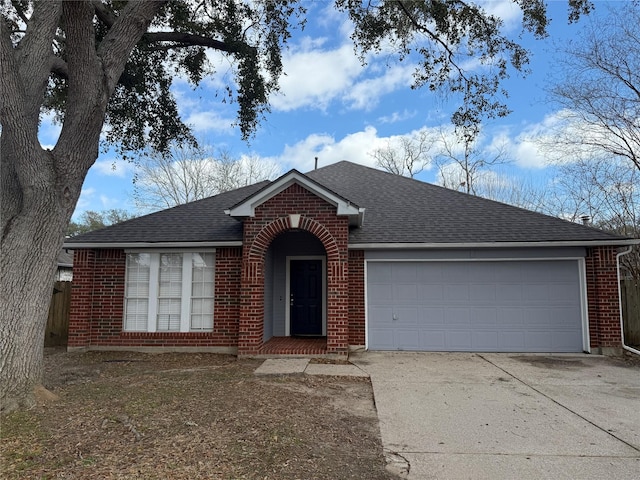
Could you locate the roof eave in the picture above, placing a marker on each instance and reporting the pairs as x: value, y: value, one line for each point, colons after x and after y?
x: 123, y: 245
x: 560, y: 243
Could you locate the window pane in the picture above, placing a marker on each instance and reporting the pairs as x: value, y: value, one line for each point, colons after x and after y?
x: 202, y: 291
x: 137, y: 291
x: 169, y: 314
x: 136, y: 317
x: 170, y: 276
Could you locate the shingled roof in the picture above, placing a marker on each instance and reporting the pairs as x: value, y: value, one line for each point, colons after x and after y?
x: 398, y: 210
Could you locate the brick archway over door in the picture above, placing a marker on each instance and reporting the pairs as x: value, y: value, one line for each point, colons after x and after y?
x: 251, y: 323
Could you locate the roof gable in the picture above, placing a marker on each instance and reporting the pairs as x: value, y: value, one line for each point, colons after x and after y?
x: 247, y: 207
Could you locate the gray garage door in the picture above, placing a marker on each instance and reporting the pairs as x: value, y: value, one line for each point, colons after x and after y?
x: 526, y: 306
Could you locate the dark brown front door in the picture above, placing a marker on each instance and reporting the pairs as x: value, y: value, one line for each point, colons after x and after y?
x: 305, y: 302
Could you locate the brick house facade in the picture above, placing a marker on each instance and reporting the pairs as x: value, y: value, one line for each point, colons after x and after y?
x: 243, y: 272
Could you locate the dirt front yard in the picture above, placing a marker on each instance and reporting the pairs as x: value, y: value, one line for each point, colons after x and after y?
x: 128, y: 415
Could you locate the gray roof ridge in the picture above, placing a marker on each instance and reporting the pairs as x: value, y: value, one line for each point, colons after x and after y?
x: 473, y: 197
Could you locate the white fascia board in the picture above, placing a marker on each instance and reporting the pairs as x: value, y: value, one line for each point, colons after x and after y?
x: 247, y: 208
x: 417, y: 246
x: 82, y: 246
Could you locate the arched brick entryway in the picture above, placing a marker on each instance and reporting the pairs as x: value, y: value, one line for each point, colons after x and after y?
x: 251, y: 323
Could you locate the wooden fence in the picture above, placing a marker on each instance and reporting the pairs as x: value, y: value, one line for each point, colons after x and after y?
x: 57, y: 331
x: 630, y: 296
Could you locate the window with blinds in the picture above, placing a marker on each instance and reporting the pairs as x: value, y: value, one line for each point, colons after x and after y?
x: 137, y: 292
x: 202, y: 276
x: 169, y: 292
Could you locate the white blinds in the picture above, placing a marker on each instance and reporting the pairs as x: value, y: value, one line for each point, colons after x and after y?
x: 169, y: 292
x: 202, y: 285
x: 137, y: 291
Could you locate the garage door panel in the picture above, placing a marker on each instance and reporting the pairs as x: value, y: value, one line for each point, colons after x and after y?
x: 432, y: 339
x: 432, y: 316
x: 408, y: 339
x: 381, y: 292
x: 456, y: 316
x: 511, y: 317
x: 510, y: 306
x: 383, y: 338
x: 431, y: 275
x: 455, y: 272
x: 459, y: 340
x: 508, y: 293
x: 485, y: 293
x: 511, y: 339
x: 429, y: 292
x: 405, y: 316
x: 485, y: 317
x: 405, y: 273
x: 404, y: 292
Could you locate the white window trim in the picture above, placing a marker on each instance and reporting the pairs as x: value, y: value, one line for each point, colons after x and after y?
x: 153, y: 299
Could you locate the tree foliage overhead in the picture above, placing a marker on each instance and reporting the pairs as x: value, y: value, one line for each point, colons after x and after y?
x: 444, y: 35
x: 142, y: 110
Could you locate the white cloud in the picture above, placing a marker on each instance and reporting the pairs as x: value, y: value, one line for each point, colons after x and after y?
x: 113, y: 168
x: 206, y: 121
x: 315, y: 77
x: 507, y: 10
x: 364, y: 95
x: 87, y: 196
x: 396, y: 117
x: 355, y: 147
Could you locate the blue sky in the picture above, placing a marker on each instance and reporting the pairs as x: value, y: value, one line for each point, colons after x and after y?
x: 332, y: 108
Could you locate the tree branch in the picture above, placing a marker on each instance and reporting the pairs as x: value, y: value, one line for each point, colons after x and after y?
x: 59, y: 67
x: 188, y: 39
x: 434, y: 37
x: 123, y: 36
x: 104, y: 14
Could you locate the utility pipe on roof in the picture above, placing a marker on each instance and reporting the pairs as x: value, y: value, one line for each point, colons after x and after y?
x: 622, y: 254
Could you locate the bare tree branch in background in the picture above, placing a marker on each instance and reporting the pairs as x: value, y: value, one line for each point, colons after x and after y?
x: 462, y: 162
x: 407, y: 155
x: 607, y: 190
x: 92, y: 220
x: 599, y: 92
x: 191, y: 173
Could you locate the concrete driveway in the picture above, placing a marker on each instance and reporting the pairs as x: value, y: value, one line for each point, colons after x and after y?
x: 506, y: 416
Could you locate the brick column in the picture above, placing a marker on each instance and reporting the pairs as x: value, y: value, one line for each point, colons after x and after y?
x: 81, y: 299
x: 603, y: 300
x: 356, y: 298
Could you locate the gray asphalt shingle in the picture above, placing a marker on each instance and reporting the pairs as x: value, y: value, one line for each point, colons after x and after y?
x: 398, y: 210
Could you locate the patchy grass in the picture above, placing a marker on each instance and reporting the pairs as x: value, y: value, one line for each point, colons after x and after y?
x: 133, y: 415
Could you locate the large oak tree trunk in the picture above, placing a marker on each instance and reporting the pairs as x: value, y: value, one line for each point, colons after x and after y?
x: 28, y: 263
x: 39, y: 188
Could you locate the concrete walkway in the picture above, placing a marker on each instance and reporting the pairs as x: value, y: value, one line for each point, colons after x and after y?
x: 500, y: 416
x: 293, y: 366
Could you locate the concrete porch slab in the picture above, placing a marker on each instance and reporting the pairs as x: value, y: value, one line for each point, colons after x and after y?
x: 282, y: 366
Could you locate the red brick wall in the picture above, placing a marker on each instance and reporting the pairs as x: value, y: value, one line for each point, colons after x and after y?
x: 356, y: 298
x: 602, y: 298
x: 81, y: 295
x: 272, y: 218
x: 97, y: 304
